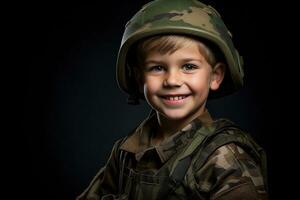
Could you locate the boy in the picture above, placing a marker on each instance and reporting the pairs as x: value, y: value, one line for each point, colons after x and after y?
x: 176, y: 54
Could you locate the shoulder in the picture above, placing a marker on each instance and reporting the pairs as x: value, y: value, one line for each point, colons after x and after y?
x: 229, y: 171
x: 117, y: 145
x: 226, y: 132
x: 232, y: 156
x: 229, y: 162
x: 226, y: 138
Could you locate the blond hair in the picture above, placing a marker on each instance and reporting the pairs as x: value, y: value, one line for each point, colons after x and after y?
x: 169, y: 44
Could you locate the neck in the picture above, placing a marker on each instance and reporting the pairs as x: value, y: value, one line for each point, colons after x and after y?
x: 168, y: 127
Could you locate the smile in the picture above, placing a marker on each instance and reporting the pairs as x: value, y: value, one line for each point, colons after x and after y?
x: 174, y: 98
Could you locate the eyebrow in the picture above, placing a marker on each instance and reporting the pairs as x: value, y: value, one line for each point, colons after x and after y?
x: 183, y: 60
x: 154, y: 61
x: 192, y: 59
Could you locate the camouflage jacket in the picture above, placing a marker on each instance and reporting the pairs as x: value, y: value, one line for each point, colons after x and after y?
x: 229, y: 172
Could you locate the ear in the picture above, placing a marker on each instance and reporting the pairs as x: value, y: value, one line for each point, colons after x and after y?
x: 217, y: 77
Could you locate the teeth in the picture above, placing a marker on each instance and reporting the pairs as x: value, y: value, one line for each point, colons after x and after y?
x: 176, y: 98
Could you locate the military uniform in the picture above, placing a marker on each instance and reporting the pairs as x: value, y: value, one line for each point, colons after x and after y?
x: 205, y: 160
x: 227, y: 172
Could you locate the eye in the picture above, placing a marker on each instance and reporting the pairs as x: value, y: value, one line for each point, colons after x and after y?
x: 189, y: 67
x: 156, y: 68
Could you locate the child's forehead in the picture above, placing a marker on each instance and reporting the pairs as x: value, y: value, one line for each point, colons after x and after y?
x: 170, y: 40
x: 185, y: 47
x: 187, y: 52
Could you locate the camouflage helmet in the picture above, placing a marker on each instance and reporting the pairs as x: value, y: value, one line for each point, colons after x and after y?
x: 182, y: 17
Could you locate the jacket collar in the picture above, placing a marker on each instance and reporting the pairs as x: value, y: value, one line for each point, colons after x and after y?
x: 139, y: 141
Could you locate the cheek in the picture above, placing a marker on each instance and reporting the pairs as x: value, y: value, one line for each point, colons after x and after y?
x: 151, y: 84
x: 199, y: 83
x: 149, y: 88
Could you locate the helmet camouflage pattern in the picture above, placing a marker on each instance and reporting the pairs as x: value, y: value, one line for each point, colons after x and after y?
x: 185, y: 17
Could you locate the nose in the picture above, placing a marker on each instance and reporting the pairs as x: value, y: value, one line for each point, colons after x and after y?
x: 173, y: 79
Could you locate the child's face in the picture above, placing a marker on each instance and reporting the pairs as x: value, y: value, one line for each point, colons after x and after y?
x: 177, y: 85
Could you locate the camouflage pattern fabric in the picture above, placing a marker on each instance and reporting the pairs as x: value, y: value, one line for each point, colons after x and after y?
x: 181, y: 17
x: 229, y: 172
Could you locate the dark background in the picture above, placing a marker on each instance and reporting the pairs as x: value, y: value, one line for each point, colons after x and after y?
x: 71, y: 110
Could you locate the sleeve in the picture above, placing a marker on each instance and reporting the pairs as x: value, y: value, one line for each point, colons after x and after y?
x: 231, y: 173
x: 106, y: 180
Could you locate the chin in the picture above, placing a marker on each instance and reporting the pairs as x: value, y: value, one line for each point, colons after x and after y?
x: 174, y: 114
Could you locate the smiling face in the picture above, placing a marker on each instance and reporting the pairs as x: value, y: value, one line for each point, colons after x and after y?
x: 176, y: 84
